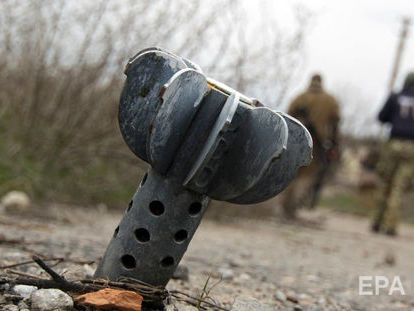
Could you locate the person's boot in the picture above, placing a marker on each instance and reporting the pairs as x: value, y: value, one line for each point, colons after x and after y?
x: 375, y: 227
x: 391, y: 232
x: 289, y: 209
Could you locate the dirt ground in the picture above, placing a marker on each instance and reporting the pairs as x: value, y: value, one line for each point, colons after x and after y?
x: 317, y: 264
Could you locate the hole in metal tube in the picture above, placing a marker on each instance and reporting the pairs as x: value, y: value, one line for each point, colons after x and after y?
x: 128, y: 261
x: 180, y: 236
x: 142, y: 235
x: 195, y: 208
x: 157, y: 208
x: 167, y: 262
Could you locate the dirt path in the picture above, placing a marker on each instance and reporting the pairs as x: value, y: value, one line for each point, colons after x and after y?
x: 264, y: 259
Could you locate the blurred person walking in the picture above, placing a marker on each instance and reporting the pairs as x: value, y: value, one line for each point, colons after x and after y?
x: 319, y: 112
x: 396, y: 166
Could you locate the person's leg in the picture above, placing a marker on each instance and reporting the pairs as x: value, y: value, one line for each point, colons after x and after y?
x: 386, y: 169
x: 289, y: 201
x: 382, y: 204
x: 402, y: 177
x: 297, y: 196
x: 404, y: 154
x: 317, y: 184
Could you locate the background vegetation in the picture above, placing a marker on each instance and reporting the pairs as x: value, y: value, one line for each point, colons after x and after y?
x: 61, y: 76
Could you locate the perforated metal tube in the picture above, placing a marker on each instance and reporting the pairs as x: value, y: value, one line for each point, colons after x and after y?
x: 154, y: 233
x: 202, y: 139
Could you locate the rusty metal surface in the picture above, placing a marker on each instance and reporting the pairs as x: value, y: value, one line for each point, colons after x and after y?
x: 203, y: 140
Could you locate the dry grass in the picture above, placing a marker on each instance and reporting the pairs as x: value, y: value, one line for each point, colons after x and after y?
x: 60, y: 78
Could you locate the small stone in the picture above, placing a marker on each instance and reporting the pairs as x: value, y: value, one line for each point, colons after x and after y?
x: 22, y: 305
x: 245, y: 303
x: 244, y: 277
x: 304, y: 296
x: 181, y: 273
x: 292, y: 298
x: 306, y: 302
x: 16, y: 201
x: 226, y: 274
x: 24, y: 290
x: 389, y: 259
x: 88, y: 271
x: 171, y: 308
x: 10, y: 308
x: 297, y: 308
x: 4, y: 287
x: 233, y: 264
x: 109, y: 299
x: 50, y: 300
x: 322, y: 301
x: 280, y: 296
